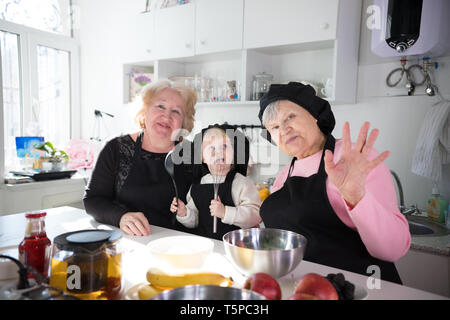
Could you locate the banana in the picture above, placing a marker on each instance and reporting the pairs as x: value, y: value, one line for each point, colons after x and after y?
x: 161, y: 280
x: 147, y: 291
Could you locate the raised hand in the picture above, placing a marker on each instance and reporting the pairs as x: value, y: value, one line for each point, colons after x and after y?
x: 350, y: 172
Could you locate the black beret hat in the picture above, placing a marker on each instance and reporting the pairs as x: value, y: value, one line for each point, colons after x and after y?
x: 304, y: 96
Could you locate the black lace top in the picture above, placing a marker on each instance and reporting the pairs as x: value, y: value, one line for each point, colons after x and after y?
x: 111, y: 170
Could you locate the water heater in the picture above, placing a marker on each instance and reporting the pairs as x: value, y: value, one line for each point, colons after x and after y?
x: 411, y: 28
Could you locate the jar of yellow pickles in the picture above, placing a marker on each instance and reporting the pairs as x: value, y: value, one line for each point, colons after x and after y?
x: 87, y: 264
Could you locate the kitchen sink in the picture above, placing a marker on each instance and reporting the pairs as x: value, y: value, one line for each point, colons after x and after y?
x: 419, y: 229
x: 422, y: 226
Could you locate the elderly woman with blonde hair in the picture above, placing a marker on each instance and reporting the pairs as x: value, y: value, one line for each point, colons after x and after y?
x: 129, y: 187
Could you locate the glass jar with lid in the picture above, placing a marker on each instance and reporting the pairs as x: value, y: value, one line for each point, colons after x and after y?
x: 261, y: 84
x: 87, y: 264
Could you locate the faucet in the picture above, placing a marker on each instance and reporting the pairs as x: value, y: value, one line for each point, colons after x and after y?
x: 270, y: 182
x: 407, y: 211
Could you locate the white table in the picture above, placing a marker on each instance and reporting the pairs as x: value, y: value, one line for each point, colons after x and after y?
x: 136, y: 259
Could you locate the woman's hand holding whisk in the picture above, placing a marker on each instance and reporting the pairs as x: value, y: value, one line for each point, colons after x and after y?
x: 217, y: 208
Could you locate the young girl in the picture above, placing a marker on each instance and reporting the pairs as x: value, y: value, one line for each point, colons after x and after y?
x: 238, y: 202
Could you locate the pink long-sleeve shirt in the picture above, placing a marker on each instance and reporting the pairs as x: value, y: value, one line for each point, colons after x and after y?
x: 382, y: 228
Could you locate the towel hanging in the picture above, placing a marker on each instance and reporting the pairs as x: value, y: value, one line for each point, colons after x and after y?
x: 433, y: 145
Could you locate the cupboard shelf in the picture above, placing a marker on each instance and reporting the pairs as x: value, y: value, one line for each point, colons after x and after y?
x: 227, y: 103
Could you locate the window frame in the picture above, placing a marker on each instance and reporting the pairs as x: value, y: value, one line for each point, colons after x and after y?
x: 29, y: 39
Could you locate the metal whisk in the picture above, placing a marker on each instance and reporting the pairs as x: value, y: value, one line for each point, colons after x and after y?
x: 217, y: 177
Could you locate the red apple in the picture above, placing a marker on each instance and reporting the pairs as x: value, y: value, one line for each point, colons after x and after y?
x: 316, y: 285
x: 264, y: 284
x: 302, y: 296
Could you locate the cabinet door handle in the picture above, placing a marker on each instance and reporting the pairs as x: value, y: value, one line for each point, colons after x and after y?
x: 324, y: 25
x: 148, y: 50
x: 202, y: 42
x: 187, y: 45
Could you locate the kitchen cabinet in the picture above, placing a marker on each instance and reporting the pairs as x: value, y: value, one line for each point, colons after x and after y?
x: 294, y: 40
x: 425, y: 271
x: 219, y: 25
x: 283, y: 22
x: 204, y: 27
x: 140, y: 46
x: 301, y: 40
x: 41, y: 195
x: 175, y: 31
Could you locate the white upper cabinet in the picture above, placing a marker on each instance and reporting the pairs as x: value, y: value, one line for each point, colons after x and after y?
x: 175, y: 31
x: 141, y: 47
x: 283, y: 22
x: 218, y: 25
x: 316, y: 41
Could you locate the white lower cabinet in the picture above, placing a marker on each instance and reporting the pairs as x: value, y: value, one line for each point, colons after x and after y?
x: 41, y: 195
x: 425, y: 271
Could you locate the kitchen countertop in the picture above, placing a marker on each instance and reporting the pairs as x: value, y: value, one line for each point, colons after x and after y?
x: 432, y: 244
x: 136, y: 258
x: 436, y: 245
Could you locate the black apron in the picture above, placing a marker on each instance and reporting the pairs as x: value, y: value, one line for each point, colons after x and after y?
x: 149, y: 188
x: 202, y: 194
x: 302, y: 206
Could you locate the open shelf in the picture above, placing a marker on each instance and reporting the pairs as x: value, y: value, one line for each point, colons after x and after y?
x: 227, y: 103
x: 128, y: 69
x: 311, y: 62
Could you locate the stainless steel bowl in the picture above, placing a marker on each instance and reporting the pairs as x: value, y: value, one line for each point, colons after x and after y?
x: 204, y: 292
x: 273, y: 251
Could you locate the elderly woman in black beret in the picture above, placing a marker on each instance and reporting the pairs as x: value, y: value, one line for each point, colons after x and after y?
x: 339, y: 195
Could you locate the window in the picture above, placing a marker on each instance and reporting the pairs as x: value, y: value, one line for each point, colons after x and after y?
x: 51, y: 112
x: 39, y: 76
x: 46, y: 15
x: 12, y: 103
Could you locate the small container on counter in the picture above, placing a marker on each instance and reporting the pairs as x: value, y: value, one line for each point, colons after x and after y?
x: 436, y: 206
x: 87, y: 264
x: 35, y: 248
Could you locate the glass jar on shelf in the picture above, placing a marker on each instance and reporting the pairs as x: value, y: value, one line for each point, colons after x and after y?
x: 233, y: 93
x: 263, y: 190
x: 261, y: 84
